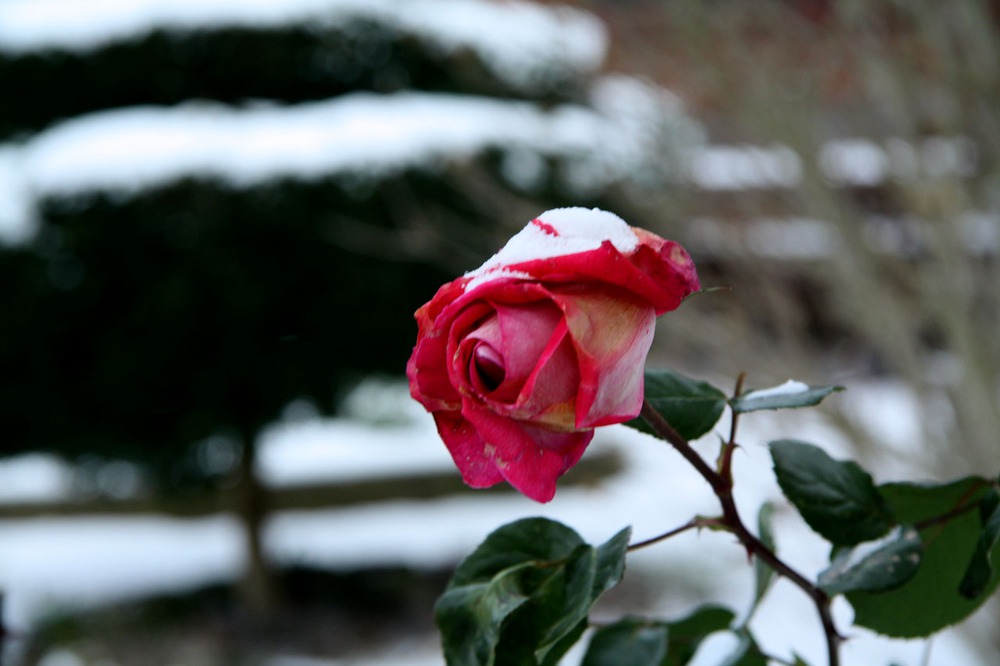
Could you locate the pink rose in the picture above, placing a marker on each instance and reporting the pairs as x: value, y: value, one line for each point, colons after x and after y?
x: 522, y: 358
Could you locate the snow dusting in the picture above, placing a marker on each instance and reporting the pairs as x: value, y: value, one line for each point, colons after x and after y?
x: 557, y: 233
x: 791, y: 387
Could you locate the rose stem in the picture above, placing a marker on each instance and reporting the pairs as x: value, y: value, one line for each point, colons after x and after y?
x: 722, y: 487
x: 690, y: 525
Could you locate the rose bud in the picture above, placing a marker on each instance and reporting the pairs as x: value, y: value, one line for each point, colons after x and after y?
x: 519, y: 360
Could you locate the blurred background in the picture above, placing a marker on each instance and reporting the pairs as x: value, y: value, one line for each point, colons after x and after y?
x: 218, y: 216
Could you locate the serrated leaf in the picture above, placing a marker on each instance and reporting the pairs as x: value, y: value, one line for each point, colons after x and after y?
x: 691, y: 406
x: 979, y: 570
x: 930, y: 600
x: 837, y: 499
x: 790, y: 395
x: 874, y: 567
x: 523, y: 596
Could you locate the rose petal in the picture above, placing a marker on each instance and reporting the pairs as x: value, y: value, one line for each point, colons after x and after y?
x: 487, y: 368
x: 612, y: 333
x: 520, y: 333
x: 429, y: 382
x: 529, y: 458
x: 658, y: 271
x: 467, y: 449
x: 548, y: 398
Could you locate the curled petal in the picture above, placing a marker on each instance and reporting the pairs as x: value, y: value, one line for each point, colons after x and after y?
x: 612, y: 333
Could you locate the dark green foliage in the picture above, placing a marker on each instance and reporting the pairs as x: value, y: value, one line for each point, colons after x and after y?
x: 523, y: 596
x: 886, y: 567
x: 931, y: 599
x: 980, y: 570
x: 691, y: 406
x: 635, y: 641
x: 629, y: 642
x: 837, y: 498
x: 152, y: 322
x: 236, y: 65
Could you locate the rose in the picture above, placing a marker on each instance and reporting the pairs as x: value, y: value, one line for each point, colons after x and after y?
x: 519, y: 360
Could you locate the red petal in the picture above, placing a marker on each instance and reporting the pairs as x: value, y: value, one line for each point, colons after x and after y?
x: 612, y: 333
x: 467, y: 449
x: 530, y: 458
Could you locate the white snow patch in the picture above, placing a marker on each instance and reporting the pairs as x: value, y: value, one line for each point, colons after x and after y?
x: 593, y: 225
x: 327, y: 449
x: 133, y: 148
x: 51, y: 563
x: 363, y: 134
x: 575, y: 230
x: 17, y: 214
x: 790, y: 387
x: 34, y: 477
x: 521, y: 42
x: 497, y: 274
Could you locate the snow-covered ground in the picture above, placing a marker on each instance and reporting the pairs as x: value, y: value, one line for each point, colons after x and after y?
x: 55, y: 562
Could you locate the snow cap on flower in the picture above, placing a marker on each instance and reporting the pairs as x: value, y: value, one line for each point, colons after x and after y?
x: 520, y: 359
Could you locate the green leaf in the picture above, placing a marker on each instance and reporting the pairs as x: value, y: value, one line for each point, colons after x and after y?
x: 836, y: 498
x: 635, y: 641
x: 691, y: 406
x: 979, y: 571
x: 763, y: 574
x: 631, y: 641
x: 875, y: 567
x: 523, y: 596
x: 687, y: 633
x: 789, y: 395
x: 930, y: 600
x: 471, y: 616
x: 526, y: 540
x: 610, y: 565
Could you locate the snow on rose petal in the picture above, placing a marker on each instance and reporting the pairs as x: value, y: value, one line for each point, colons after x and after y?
x: 520, y: 359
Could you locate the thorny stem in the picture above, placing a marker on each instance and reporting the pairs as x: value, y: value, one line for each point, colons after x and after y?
x: 690, y: 525
x: 723, y: 488
x: 726, y: 455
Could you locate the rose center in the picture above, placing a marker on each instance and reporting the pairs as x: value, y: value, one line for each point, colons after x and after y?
x: 487, y: 363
